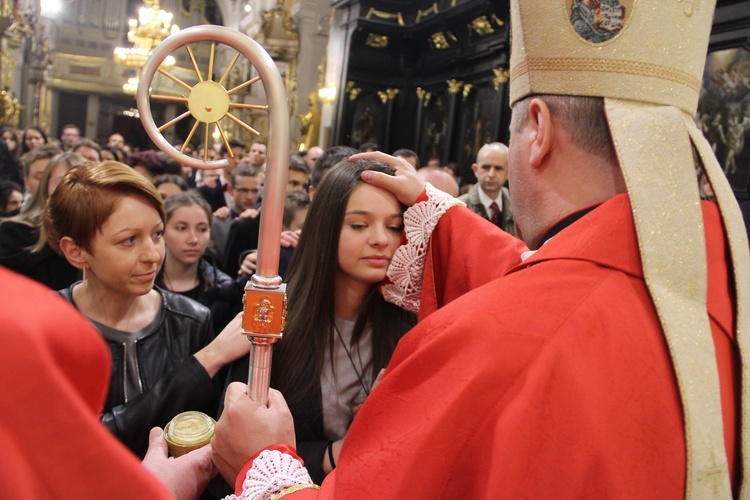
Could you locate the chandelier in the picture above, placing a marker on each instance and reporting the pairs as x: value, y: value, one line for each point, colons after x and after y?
x: 149, y: 30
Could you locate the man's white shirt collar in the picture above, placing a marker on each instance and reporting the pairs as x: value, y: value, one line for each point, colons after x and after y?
x: 487, y: 201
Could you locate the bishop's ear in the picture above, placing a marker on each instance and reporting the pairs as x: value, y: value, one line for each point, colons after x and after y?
x: 540, y: 119
x: 75, y: 254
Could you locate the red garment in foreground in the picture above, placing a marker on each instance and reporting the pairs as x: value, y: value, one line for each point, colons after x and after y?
x: 54, y: 371
x: 553, y: 381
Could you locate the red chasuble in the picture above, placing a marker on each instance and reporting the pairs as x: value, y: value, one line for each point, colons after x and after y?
x: 55, y: 372
x: 552, y: 381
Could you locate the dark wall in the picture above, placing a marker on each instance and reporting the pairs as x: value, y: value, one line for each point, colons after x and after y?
x: 72, y: 111
x: 402, y: 98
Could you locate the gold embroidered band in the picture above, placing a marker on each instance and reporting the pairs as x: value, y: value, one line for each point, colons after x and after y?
x: 294, y: 489
x: 616, y: 66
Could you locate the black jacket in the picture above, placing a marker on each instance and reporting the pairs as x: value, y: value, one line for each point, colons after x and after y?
x: 243, y: 236
x: 46, y: 266
x: 224, y: 299
x: 173, y: 380
x: 223, y: 296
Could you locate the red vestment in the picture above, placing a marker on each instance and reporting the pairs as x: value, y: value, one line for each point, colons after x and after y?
x: 553, y: 381
x: 55, y: 372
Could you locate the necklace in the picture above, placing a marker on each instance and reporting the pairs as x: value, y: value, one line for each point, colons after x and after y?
x: 351, y: 360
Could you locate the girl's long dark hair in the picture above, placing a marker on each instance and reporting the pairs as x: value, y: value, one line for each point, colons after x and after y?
x: 298, y: 359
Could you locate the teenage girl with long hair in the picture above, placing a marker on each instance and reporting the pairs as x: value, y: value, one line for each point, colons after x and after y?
x: 340, y: 332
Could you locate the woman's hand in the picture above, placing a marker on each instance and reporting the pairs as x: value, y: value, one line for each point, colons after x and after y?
x: 229, y: 345
x: 406, y: 185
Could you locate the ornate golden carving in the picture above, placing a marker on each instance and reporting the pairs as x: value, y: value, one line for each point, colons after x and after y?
x: 352, y: 90
x: 278, y: 23
x: 440, y: 41
x: 376, y: 41
x: 424, y: 13
x: 354, y: 93
x: 424, y: 96
x: 454, y: 86
x: 501, y: 76
x: 385, y: 15
x: 310, y: 124
x: 264, y: 312
x: 467, y: 90
x: 481, y: 26
x: 10, y: 108
x: 8, y: 65
x: 388, y: 94
x: 497, y: 20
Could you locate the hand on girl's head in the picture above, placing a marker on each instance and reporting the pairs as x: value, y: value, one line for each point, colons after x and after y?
x: 406, y: 185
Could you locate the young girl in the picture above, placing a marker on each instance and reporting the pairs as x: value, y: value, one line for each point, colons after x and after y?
x: 187, y: 235
x: 340, y: 332
x: 33, y: 137
x: 108, y: 220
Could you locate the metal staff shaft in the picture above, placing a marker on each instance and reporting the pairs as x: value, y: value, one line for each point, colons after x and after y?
x: 265, y: 298
x: 259, y: 374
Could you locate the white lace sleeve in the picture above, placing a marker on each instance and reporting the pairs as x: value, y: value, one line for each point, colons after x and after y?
x: 407, y: 265
x: 272, y: 473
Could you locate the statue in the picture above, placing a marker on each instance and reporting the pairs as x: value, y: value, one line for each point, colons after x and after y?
x: 310, y: 124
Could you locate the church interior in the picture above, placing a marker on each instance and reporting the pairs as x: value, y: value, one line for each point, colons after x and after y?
x: 428, y: 75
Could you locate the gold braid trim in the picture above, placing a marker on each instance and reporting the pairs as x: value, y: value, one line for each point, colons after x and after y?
x: 637, y: 68
x: 294, y: 489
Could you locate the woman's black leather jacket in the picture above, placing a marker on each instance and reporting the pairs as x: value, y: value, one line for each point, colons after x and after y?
x: 172, y: 380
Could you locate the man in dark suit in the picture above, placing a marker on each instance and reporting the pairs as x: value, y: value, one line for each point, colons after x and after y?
x: 489, y: 197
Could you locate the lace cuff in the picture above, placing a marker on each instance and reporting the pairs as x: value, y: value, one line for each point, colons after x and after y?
x: 272, y: 473
x: 407, y: 265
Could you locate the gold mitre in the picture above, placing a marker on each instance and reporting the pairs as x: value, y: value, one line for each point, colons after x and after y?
x: 646, y: 59
x: 646, y: 51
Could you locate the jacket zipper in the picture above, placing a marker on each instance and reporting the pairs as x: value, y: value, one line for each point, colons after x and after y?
x: 124, y: 371
x: 137, y: 367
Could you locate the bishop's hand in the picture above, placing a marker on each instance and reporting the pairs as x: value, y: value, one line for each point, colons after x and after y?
x: 406, y: 185
x: 246, y: 427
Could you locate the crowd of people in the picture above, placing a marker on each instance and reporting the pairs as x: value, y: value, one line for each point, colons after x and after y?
x: 435, y: 345
x: 155, y: 257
